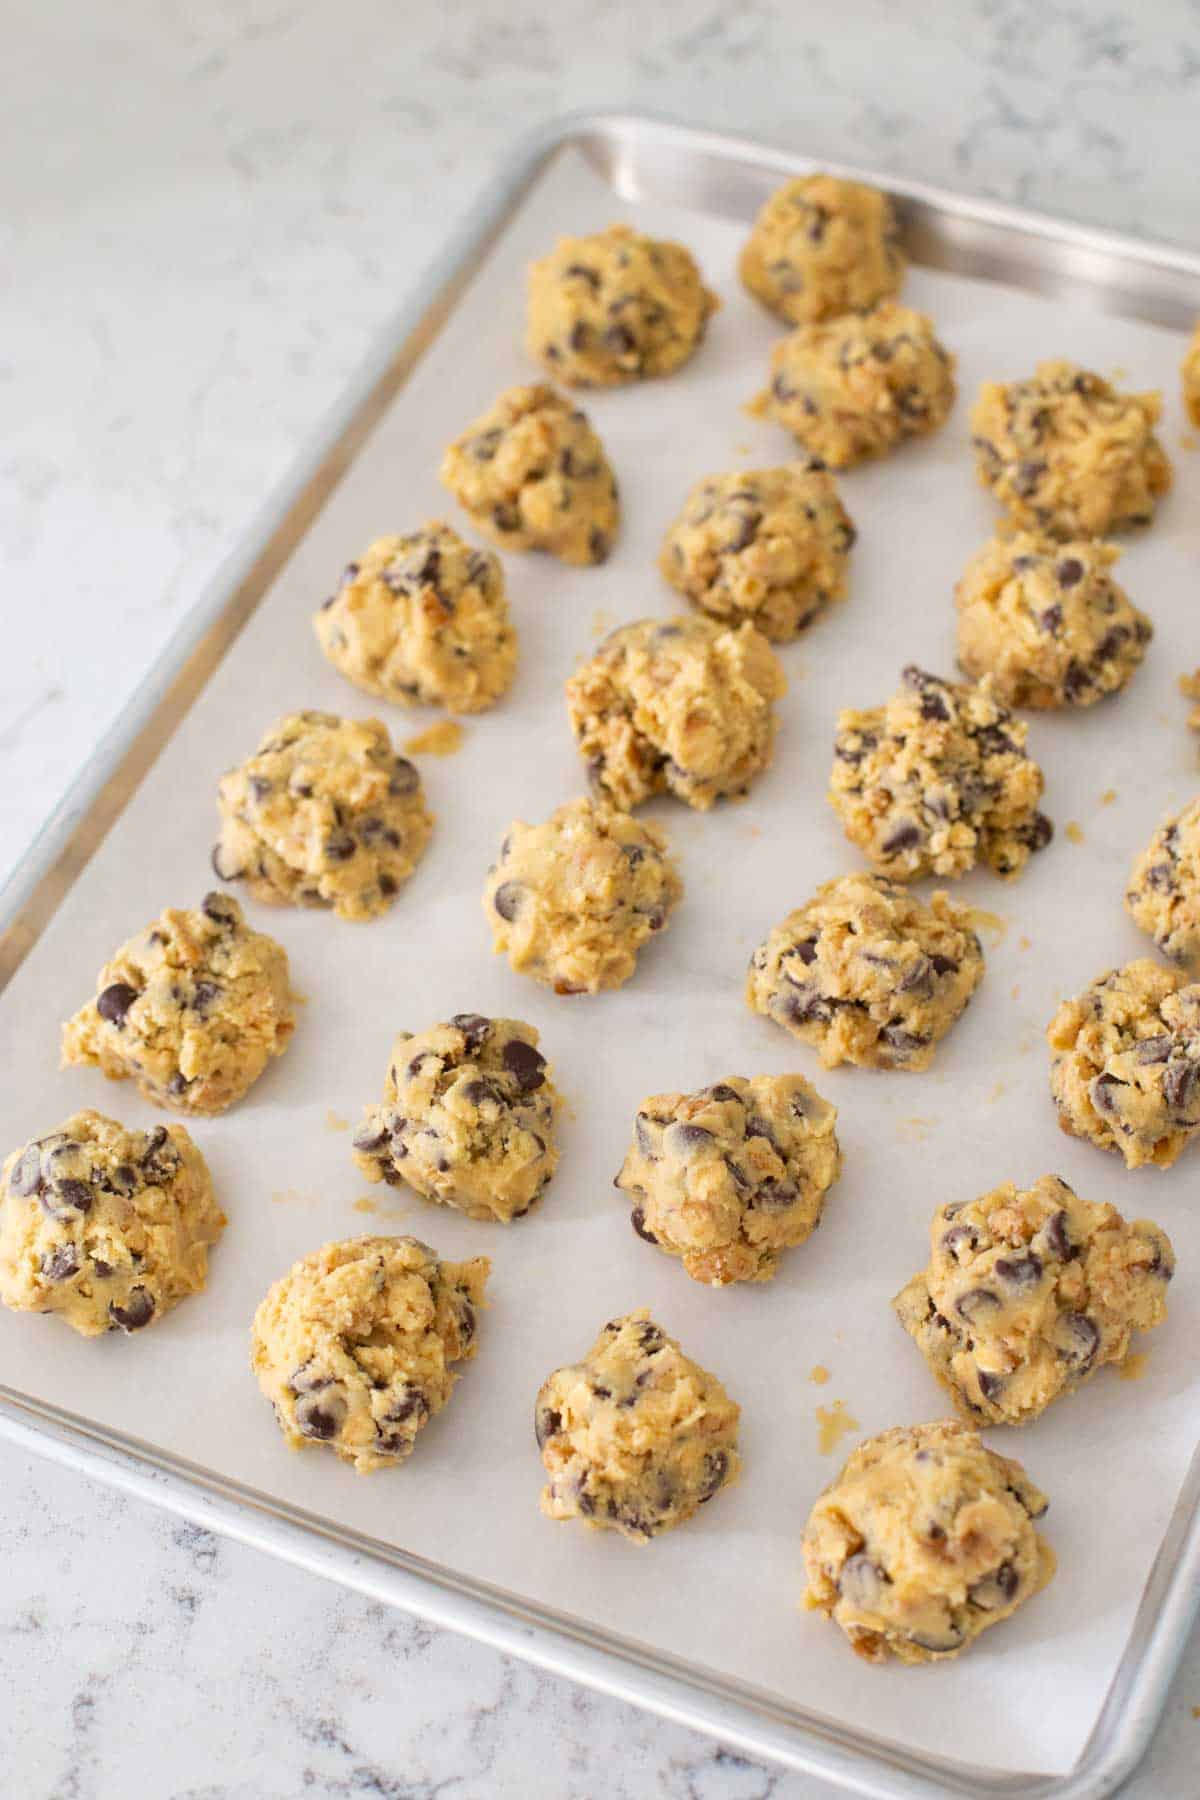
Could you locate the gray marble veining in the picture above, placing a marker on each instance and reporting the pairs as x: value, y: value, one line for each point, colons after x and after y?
x: 206, y: 214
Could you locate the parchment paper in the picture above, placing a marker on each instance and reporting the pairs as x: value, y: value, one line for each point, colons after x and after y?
x: 723, y: 1590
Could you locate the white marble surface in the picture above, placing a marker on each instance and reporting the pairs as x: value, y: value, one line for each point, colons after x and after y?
x: 206, y: 213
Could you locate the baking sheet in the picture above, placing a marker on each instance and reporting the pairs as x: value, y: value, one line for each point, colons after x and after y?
x: 721, y: 1592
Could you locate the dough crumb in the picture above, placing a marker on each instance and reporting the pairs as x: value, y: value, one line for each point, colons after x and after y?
x: 914, y: 1130
x: 819, y: 1374
x: 833, y: 1424
x: 442, y: 739
x: 1108, y: 796
x: 1135, y: 1365
x: 1024, y: 943
x: 991, y: 925
x: 602, y: 621
x: 997, y: 1092
x: 336, y: 1122
x: 1073, y: 832
x: 366, y: 1205
x: 1189, y: 687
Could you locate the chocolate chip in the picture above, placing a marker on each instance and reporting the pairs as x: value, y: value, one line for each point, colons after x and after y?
x: 1026, y: 477
x: 637, y: 1219
x: 620, y: 339
x: 996, y: 1589
x: 958, y: 1236
x: 67, y: 1196
x: 137, y: 1311
x: 599, y: 544
x: 862, y: 1582
x: 507, y: 899
x: 684, y: 1140
x: 474, y: 1027
x: 320, y: 1414
x: 716, y: 1471
x: 1051, y: 620
x: 721, y: 1092
x: 1179, y: 1084
x: 61, y: 1263
x: 806, y: 950
x: 976, y: 1304
x: 1077, y: 1339
x: 775, y: 1196
x: 547, y: 1423
x: 26, y: 1176
x: 1069, y: 572
x: 1020, y: 1273
x: 904, y: 836
x: 370, y: 1136
x: 219, y: 908
x: 950, y: 1637
x: 1057, y: 1235
x: 990, y: 1386
x: 225, y: 865
x: 113, y: 1002
x: 203, y: 995
x: 404, y: 778
x: 524, y: 1063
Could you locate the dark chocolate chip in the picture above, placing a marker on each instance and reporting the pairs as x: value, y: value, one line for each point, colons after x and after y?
x: 507, y: 899
x: 637, y: 1219
x: 1020, y: 1273
x: 113, y: 1002
x: 26, y: 1176
x: 524, y: 1063
x: 219, y: 908
x: 61, y: 1263
x: 137, y: 1311
x: 976, y: 1304
x: 547, y: 1423
x: 474, y: 1027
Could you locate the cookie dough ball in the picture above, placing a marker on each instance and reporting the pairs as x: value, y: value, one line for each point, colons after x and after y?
x: 729, y: 1177
x: 822, y: 246
x: 614, y: 307
x: 193, y: 1009
x: 1164, y: 888
x: 765, y: 547
x: 923, y: 1541
x: 1027, y: 1293
x: 109, y: 1228
x: 1125, y: 1063
x: 676, y: 706
x: 323, y: 814
x: 938, y: 780
x: 357, y: 1346
x: 1191, y: 378
x: 855, y: 386
x: 867, y: 973
x: 1064, y: 453
x: 531, y: 474
x: 572, y: 901
x: 636, y: 1436
x: 422, y: 620
x: 1047, y: 621
x: 467, y: 1118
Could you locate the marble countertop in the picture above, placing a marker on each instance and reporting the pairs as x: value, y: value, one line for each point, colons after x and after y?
x: 208, y: 213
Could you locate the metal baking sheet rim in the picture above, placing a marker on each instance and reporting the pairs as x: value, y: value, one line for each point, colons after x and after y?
x: 755, y: 1723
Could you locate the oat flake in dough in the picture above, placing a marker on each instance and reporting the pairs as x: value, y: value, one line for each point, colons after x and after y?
x: 924, y: 1541
x: 868, y: 973
x: 192, y: 1009
x: 676, y: 706
x: 637, y: 1436
x: 359, y: 1345
x: 729, y: 1177
x: 107, y: 1227
x: 467, y: 1118
x: 572, y: 901
x: 1029, y: 1292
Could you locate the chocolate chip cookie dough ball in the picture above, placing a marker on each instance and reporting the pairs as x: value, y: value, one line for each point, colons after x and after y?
x: 923, y: 1541
x: 1164, y: 888
x: 1191, y: 378
x: 637, y: 1436
x: 1125, y: 1063
x: 572, y: 901
x: 422, y: 620
x: 106, y: 1227
x: 1064, y: 453
x: 729, y: 1177
x: 1047, y: 621
x: 867, y: 973
x: 822, y: 246
x: 323, y: 814
x: 937, y: 780
x: 358, y: 1346
x: 467, y: 1118
x: 192, y: 1009
x: 531, y: 474
x: 765, y: 547
x: 1028, y: 1292
x: 615, y: 307
x: 856, y: 386
x: 676, y: 706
